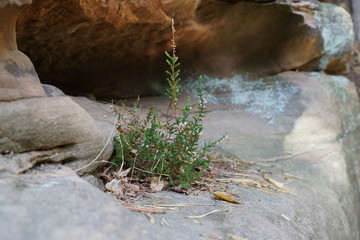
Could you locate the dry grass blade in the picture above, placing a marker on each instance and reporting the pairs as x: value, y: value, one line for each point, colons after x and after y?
x: 175, y: 205
x: 276, y: 183
x: 151, y: 218
x: 269, y: 186
x: 164, y: 222
x: 204, y: 215
x: 234, y: 237
x: 164, y: 208
x: 294, y: 176
x: 196, y: 221
x: 211, y: 235
x: 142, y: 209
x: 280, y: 187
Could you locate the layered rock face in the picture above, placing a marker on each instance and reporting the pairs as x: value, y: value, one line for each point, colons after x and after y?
x: 115, y: 48
x: 36, y: 127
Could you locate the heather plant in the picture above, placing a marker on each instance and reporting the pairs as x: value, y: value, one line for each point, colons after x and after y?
x: 169, y: 148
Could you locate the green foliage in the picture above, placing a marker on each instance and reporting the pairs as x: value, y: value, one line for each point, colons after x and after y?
x: 167, y: 148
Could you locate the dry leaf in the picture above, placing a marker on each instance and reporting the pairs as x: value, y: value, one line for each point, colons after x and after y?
x: 132, y: 187
x: 123, y: 173
x: 211, y: 235
x: 224, y: 197
x: 156, y: 185
x: 115, y: 186
x: 234, y: 237
x: 204, y: 215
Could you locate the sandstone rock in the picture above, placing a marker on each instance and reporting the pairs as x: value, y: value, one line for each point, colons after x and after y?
x: 56, y: 129
x: 336, y: 28
x: 317, y: 129
x: 315, y: 137
x: 18, y: 78
x: 102, y: 113
x: 52, y: 91
x: 115, y: 48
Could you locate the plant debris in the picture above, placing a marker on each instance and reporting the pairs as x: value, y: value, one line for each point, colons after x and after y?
x: 234, y: 237
x: 225, y: 197
x: 116, y: 187
x: 211, y: 235
x: 142, y: 209
x: 156, y: 185
x: 204, y: 215
x: 164, y: 222
x: 151, y: 218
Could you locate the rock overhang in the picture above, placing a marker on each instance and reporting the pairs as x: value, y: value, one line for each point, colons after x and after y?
x: 115, y: 49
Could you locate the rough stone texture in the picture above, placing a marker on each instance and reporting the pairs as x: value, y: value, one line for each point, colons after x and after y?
x: 115, y: 48
x: 63, y: 206
x: 52, y: 129
x: 321, y: 122
x: 103, y: 115
x: 18, y: 78
x: 320, y: 129
x: 335, y: 25
x: 52, y: 91
x: 14, y: 2
x: 346, y: 4
x: 355, y: 8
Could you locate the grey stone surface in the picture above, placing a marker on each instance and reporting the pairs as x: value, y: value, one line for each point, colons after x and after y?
x: 60, y: 205
x: 318, y: 127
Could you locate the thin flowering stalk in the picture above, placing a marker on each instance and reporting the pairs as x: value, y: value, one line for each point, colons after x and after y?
x: 173, y: 79
x: 173, y: 44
